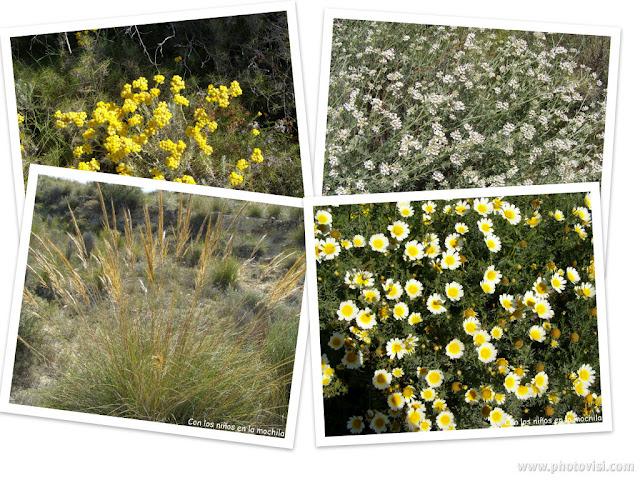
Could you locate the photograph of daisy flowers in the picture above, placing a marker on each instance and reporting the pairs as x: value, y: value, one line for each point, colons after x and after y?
x: 208, y: 101
x: 471, y: 313
x: 158, y: 305
x: 414, y: 107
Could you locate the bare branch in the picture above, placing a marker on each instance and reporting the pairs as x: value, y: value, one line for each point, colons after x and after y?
x: 159, y: 48
x: 66, y: 39
x: 144, y: 47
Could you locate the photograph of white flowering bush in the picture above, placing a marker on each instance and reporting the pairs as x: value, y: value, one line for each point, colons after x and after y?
x: 465, y: 314
x: 423, y: 107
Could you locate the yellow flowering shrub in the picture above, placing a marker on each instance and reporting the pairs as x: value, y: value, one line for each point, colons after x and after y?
x: 115, y: 94
x: 463, y: 314
x: 157, y: 130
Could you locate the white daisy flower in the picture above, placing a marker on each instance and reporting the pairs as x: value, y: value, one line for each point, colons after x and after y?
x: 400, y: 311
x: 413, y: 288
x: 485, y: 225
x: 381, y: 379
x: 395, y: 349
x: 355, y: 424
x: 398, y: 230
x: 323, y: 217
x: 347, y: 310
x: 450, y: 260
x: 366, y: 319
x: 379, y: 243
x: 573, y: 275
x: 435, y: 304
x: 454, y: 291
x: 537, y: 333
x: 336, y: 341
x: 434, y: 378
x: 405, y: 209
x: 379, y: 422
x: 487, y: 352
x: 558, y: 283
x: 413, y: 250
x: 483, y: 206
x: 508, y: 303
x: 493, y: 243
x: 454, y: 349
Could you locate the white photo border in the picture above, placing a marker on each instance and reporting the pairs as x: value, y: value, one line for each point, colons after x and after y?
x: 35, y: 172
x: 314, y: 321
x: 613, y: 33
x: 288, y: 7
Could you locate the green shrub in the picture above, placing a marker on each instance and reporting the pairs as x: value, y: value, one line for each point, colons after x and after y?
x: 224, y: 272
x: 255, y: 210
x: 273, y: 211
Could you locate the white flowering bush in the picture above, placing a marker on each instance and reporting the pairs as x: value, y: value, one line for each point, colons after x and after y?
x: 421, y: 107
x: 443, y: 315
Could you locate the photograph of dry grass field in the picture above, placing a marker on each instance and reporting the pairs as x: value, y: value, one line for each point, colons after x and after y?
x: 208, y: 101
x: 160, y: 306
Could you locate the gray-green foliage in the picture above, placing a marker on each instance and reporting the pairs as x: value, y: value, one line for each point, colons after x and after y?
x: 419, y: 107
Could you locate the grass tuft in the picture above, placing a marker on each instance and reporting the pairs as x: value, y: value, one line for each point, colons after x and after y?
x: 224, y: 273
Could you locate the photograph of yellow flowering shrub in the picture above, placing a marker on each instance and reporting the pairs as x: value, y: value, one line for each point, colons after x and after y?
x: 206, y: 102
x: 160, y: 306
x: 465, y: 314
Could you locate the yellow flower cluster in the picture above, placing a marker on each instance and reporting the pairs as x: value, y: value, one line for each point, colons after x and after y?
x: 91, y: 166
x: 81, y: 150
x: 175, y: 152
x: 110, y: 116
x: 256, y: 156
x: 202, y: 123
x: 137, y: 93
x: 223, y: 94
x: 118, y: 147
x: 67, y: 118
x: 186, y: 179
x: 242, y: 164
x: 160, y: 119
x: 117, y: 136
x: 236, y: 179
x: 177, y: 85
x: 124, y: 169
x: 156, y: 173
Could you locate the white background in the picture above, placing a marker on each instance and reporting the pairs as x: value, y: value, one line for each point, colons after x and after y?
x: 36, y: 448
